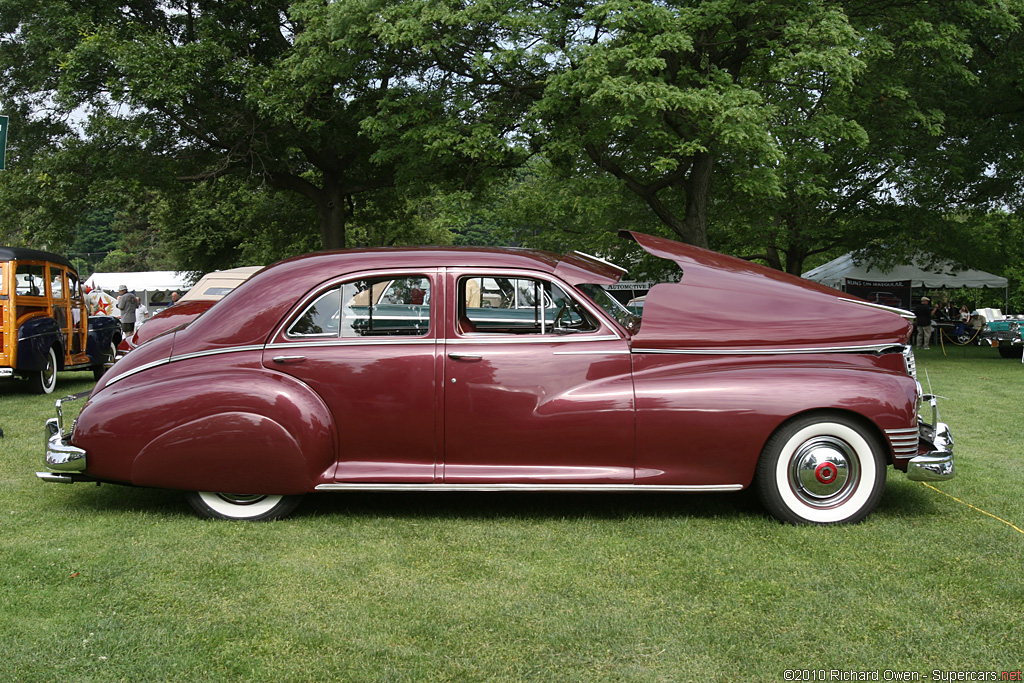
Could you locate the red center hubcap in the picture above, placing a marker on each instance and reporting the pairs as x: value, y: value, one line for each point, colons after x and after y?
x: 826, y: 473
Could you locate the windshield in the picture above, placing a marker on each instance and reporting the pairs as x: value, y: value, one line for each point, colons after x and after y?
x: 612, y: 306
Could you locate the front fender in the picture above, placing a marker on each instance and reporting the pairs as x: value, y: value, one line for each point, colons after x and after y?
x: 35, y: 337
x: 706, y: 421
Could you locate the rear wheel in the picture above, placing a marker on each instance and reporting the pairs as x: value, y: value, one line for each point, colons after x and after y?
x: 253, y: 508
x: 44, y: 381
x: 821, y: 469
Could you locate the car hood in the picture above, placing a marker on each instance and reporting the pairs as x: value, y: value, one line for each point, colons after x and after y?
x: 724, y: 304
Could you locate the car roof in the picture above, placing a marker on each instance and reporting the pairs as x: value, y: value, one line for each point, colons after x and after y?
x: 23, y: 254
x: 261, y: 301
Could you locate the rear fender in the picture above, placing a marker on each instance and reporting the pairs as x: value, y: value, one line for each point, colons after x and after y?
x: 235, y: 452
x: 104, y: 330
x: 239, y: 430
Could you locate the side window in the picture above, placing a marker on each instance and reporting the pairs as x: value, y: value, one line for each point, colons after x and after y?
x: 368, y: 308
x: 30, y: 280
x: 74, y: 286
x: 507, y: 305
x: 56, y: 283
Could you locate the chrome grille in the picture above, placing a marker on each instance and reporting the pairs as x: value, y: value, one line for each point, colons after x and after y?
x: 910, y: 361
x: 903, y: 441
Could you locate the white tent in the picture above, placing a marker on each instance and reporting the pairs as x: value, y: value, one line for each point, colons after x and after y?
x: 153, y: 288
x: 941, y: 276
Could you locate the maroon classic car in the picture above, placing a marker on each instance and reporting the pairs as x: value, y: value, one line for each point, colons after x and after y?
x: 471, y: 369
x: 210, y: 289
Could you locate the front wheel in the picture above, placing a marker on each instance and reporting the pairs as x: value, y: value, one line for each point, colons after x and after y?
x: 44, y: 381
x: 821, y: 469
x: 253, y: 508
x: 1007, y: 351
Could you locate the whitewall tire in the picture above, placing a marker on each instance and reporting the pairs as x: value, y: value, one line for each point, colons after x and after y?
x: 44, y: 381
x: 253, y: 508
x: 822, y: 469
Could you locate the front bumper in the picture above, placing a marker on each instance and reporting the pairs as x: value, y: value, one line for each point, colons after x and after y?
x: 935, y: 463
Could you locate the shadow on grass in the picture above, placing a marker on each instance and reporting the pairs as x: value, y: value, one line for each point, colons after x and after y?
x: 905, y: 498
x: 112, y: 498
x: 902, y: 499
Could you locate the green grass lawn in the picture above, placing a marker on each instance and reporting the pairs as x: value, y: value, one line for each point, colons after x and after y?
x: 118, y: 584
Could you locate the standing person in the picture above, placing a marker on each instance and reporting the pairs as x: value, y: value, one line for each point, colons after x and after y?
x: 923, y: 313
x: 174, y: 298
x: 127, y: 303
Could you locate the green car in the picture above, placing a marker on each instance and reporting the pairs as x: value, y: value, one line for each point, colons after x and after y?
x: 1004, y: 333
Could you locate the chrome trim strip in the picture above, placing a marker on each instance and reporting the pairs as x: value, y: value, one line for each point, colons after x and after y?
x: 529, y: 339
x: 868, y: 348
x: 37, y: 336
x: 186, y: 356
x: 903, y: 313
x: 352, y: 341
x: 141, y: 368
x: 217, y: 352
x: 600, y: 260
x: 584, y: 488
x: 611, y: 352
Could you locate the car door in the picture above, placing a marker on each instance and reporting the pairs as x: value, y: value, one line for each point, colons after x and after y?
x: 367, y: 345
x: 536, y: 394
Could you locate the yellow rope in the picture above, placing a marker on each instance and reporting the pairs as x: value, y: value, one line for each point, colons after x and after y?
x: 943, y: 335
x: 1015, y: 528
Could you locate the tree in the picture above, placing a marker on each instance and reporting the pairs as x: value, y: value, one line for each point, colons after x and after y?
x: 216, y: 87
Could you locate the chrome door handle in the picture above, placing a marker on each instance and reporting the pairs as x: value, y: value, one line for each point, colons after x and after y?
x: 288, y: 359
x: 464, y: 356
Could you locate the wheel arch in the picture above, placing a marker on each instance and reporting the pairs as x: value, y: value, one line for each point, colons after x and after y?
x: 859, y: 417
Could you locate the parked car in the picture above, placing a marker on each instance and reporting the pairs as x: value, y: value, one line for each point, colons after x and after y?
x: 210, y: 289
x: 1003, y: 332
x: 304, y: 379
x: 886, y: 299
x: 44, y: 324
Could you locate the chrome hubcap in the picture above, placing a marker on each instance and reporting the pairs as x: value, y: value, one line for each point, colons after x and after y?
x: 49, y: 372
x: 823, y: 471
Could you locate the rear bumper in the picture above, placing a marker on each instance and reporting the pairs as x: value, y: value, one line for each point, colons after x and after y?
x: 64, y: 463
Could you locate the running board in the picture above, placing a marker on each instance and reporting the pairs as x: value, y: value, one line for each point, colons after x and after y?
x: 563, y: 488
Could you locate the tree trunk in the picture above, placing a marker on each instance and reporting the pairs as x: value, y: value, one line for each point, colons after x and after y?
x: 332, y: 210
x: 698, y: 187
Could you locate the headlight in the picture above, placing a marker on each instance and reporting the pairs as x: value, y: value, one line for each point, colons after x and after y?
x: 1015, y: 328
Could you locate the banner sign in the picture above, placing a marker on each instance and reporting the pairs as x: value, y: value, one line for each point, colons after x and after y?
x: 3, y: 141
x: 894, y: 293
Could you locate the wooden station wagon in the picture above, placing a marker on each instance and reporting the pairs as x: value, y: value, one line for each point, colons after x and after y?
x: 44, y: 324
